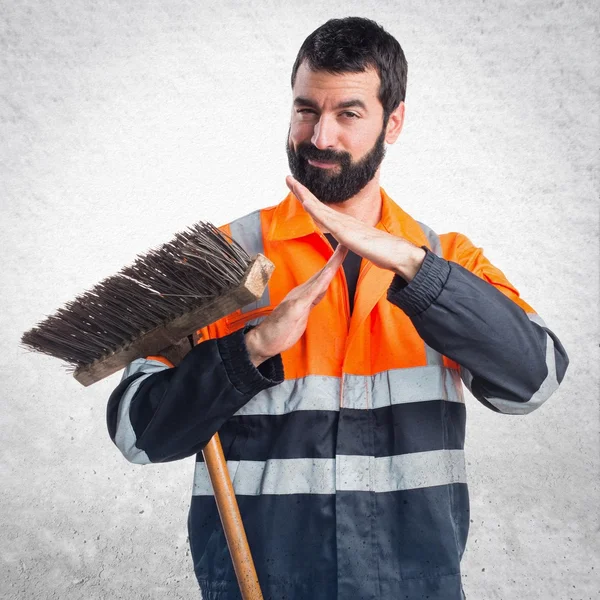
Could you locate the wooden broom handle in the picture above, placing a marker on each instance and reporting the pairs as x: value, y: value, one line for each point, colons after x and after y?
x: 225, y: 498
x: 231, y: 520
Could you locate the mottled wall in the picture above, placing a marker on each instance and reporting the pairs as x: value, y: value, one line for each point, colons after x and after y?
x: 123, y: 121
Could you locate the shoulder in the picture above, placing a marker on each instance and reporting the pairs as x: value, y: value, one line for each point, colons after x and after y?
x: 458, y: 248
x: 453, y: 246
x: 248, y: 229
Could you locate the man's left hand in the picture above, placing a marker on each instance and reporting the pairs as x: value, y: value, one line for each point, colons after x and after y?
x: 381, y: 248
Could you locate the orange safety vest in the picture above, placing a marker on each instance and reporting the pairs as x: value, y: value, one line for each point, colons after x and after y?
x: 378, y: 336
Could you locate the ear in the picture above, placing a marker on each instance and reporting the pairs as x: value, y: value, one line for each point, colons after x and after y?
x: 394, y: 125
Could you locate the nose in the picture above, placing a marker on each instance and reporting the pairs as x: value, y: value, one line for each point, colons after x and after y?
x: 324, y: 133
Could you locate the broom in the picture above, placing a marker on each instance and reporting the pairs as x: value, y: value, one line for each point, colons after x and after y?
x: 150, y: 308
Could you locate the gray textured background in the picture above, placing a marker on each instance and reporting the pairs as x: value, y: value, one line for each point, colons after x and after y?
x: 123, y: 122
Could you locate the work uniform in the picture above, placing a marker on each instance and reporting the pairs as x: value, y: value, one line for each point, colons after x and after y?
x: 345, y: 451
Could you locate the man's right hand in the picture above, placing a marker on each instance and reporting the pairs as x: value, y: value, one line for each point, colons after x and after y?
x: 286, y: 324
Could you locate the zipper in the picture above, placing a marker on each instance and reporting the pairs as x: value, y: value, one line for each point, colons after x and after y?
x: 344, y: 286
x: 346, y: 315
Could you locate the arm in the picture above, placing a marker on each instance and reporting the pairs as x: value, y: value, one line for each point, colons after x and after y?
x: 509, y: 359
x: 160, y: 413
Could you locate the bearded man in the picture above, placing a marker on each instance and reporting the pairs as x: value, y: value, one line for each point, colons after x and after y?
x: 338, y: 395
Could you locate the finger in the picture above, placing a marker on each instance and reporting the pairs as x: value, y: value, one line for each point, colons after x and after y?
x: 318, y: 298
x: 321, y: 287
x: 345, y: 229
x: 296, y: 188
x: 324, y: 215
x: 328, y: 272
x: 338, y: 256
x: 308, y: 199
x: 333, y: 264
x: 330, y: 267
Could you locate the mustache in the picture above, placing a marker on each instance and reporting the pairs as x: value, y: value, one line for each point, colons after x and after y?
x: 310, y: 152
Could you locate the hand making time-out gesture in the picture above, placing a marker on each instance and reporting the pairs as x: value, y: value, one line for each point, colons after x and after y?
x: 381, y: 248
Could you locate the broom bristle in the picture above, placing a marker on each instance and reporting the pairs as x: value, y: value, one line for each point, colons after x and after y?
x: 193, y: 269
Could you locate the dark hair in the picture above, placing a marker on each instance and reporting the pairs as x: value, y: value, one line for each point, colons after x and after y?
x: 352, y: 45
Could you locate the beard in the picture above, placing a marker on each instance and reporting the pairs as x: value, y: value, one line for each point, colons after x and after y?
x: 334, y: 188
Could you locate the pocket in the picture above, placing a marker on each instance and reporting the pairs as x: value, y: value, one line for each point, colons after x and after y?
x: 419, y: 541
x: 234, y: 437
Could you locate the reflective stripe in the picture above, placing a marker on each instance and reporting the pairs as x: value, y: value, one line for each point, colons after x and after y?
x: 346, y: 473
x: 319, y: 392
x: 314, y: 392
x: 275, y: 476
x: 433, y: 238
x: 546, y: 389
x: 434, y: 358
x: 400, y: 386
x: 403, y: 472
x: 247, y: 232
x: 537, y: 319
x: 125, y: 437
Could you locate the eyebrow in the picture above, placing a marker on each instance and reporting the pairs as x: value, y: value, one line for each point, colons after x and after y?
x: 353, y: 103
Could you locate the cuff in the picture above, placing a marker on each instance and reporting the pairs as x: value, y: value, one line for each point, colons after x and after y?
x: 244, y: 376
x: 418, y: 295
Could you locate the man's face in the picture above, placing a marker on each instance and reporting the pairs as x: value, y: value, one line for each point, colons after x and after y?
x: 336, y: 138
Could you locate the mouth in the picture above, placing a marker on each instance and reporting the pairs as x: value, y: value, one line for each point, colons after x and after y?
x: 322, y: 165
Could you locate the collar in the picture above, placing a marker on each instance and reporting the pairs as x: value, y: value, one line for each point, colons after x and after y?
x: 291, y: 221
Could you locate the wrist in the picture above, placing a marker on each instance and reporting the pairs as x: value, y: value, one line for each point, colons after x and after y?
x: 409, y: 266
x: 252, y: 339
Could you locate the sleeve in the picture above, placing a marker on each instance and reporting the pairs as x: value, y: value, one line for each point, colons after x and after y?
x: 469, y: 312
x: 162, y: 413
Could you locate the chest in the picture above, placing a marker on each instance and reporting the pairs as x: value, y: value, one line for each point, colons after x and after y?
x: 375, y: 336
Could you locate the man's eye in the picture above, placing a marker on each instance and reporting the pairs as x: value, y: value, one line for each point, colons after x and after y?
x: 350, y: 115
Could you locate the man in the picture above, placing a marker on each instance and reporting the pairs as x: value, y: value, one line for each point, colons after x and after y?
x: 337, y: 395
